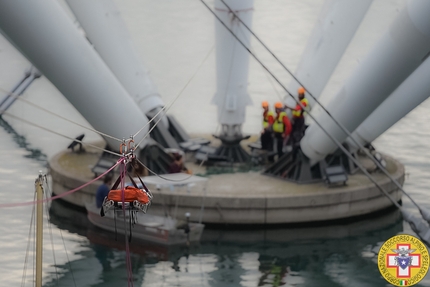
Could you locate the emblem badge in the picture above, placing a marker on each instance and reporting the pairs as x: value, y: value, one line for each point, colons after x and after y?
x: 403, y: 260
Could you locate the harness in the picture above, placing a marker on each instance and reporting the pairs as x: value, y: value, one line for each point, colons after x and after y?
x: 278, y: 125
x: 266, y: 118
x: 299, y: 113
x: 133, y: 198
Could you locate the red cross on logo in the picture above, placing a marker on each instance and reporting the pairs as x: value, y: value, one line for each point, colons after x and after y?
x: 403, y: 273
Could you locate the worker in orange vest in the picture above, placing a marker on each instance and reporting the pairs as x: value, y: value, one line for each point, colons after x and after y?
x: 281, y: 127
x: 298, y: 117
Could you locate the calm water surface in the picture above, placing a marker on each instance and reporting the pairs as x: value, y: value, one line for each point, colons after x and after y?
x: 173, y: 37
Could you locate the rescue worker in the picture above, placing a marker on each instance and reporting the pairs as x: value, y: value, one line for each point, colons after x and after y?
x: 177, y: 165
x: 266, y: 137
x: 103, y: 190
x: 281, y: 127
x: 298, y: 118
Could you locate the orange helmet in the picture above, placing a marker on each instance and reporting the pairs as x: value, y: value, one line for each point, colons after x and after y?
x: 301, y: 90
x: 264, y: 104
x: 278, y: 105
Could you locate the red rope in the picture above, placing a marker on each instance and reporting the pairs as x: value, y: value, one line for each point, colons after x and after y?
x: 63, y: 194
x: 127, y: 247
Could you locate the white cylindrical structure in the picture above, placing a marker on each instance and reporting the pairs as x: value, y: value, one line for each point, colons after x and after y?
x: 44, y: 33
x: 335, y: 27
x: 232, y: 61
x: 412, y: 92
x: 104, y: 27
x: 396, y: 55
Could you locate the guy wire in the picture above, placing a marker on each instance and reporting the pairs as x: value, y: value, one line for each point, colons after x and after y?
x: 13, y: 95
x: 312, y: 117
x: 378, y: 164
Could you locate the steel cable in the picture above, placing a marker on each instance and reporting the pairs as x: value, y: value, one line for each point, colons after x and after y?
x: 344, y: 150
x: 377, y: 163
x: 13, y: 95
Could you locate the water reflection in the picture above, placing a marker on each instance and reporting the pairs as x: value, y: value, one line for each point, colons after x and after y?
x: 314, y: 256
x: 32, y: 153
x: 334, y: 255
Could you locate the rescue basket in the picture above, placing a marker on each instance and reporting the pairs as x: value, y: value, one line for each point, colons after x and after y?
x: 131, y: 194
x: 135, y: 198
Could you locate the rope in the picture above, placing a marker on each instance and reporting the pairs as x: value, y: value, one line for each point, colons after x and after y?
x: 243, y: 10
x: 228, y: 78
x: 34, y: 247
x: 273, y: 85
x: 50, y: 235
x: 54, y: 132
x: 312, y: 117
x: 246, y: 26
x: 63, y: 194
x: 150, y: 121
x: 62, y: 239
x: 378, y: 164
x: 127, y: 247
x: 169, y: 105
x: 24, y: 271
x: 265, y: 72
x: 165, y: 108
x: 16, y: 96
x: 202, y: 162
x: 160, y: 176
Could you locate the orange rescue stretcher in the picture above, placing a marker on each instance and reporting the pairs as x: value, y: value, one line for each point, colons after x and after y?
x: 135, y: 198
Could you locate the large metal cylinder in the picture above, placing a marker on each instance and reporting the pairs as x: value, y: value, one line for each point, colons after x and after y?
x: 335, y: 27
x: 232, y: 62
x: 104, y: 27
x: 412, y: 92
x: 44, y: 33
x: 396, y: 55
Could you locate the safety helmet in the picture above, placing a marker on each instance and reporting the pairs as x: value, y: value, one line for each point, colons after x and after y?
x: 278, y: 105
x: 301, y: 90
x: 264, y: 104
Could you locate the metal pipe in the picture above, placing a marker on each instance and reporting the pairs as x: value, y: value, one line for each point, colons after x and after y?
x: 46, y: 35
x: 232, y: 62
x: 108, y: 33
x: 398, y: 53
x: 412, y: 92
x: 332, y: 33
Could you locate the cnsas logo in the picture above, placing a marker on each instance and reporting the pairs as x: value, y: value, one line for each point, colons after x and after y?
x: 403, y: 260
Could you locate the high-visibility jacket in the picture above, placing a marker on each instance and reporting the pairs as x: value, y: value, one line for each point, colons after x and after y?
x: 282, y: 124
x: 268, y: 118
x: 298, y: 111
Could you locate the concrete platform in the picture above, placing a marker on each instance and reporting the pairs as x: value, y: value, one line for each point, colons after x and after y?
x: 242, y: 197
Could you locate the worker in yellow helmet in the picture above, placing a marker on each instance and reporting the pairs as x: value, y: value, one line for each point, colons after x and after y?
x: 298, y: 117
x: 281, y: 128
x: 266, y: 137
